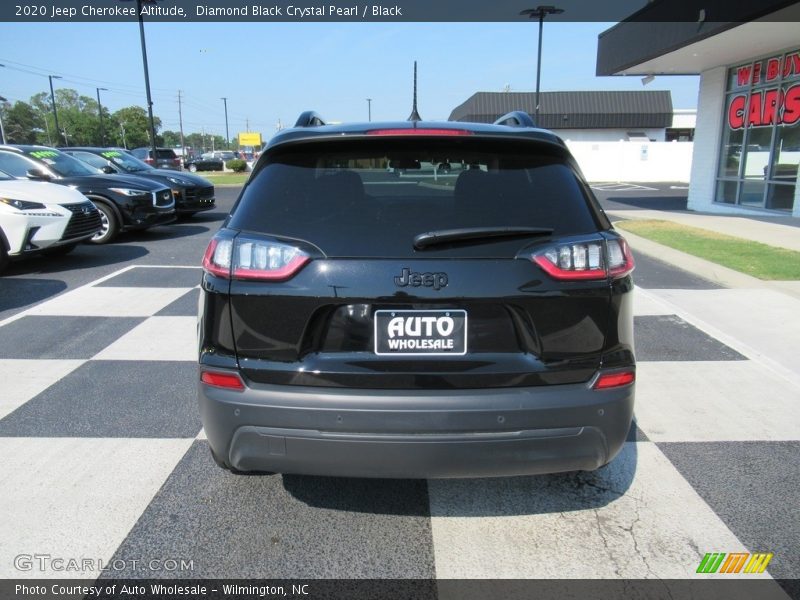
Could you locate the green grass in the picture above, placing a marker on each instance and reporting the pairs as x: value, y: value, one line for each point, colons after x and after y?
x: 753, y: 258
x: 219, y: 178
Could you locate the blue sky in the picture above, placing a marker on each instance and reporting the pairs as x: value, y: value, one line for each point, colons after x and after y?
x: 274, y: 71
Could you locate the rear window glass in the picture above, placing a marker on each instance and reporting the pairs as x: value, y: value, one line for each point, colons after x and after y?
x: 371, y: 198
x: 166, y: 154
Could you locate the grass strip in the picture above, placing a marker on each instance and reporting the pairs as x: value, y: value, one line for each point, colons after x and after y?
x: 753, y: 258
x: 224, y: 178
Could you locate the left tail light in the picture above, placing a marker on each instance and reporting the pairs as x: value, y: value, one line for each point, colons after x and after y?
x: 595, y: 259
x: 253, y: 259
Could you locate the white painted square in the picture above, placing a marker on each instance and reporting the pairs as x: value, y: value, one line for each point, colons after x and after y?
x: 76, y: 497
x: 652, y: 524
x: 110, y: 302
x: 157, y: 338
x: 24, y: 379
x: 715, y: 401
x: 760, y: 322
x: 645, y: 304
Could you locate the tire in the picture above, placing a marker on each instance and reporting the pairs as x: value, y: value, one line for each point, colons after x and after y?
x: 193, y: 168
x: 110, y: 224
x: 3, y: 257
x: 60, y: 250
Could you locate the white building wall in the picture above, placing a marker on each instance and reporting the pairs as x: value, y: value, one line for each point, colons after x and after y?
x: 633, y: 162
x: 606, y: 135
x: 707, y: 139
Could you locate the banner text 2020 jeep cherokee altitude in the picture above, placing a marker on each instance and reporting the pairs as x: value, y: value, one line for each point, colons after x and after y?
x: 367, y: 313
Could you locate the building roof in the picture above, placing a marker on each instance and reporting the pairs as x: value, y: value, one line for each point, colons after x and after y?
x: 573, y: 110
x: 692, y: 36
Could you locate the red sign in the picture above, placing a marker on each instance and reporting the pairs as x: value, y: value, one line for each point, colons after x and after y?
x: 766, y: 107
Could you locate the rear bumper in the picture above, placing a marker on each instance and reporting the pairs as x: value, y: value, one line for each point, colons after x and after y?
x: 410, y: 434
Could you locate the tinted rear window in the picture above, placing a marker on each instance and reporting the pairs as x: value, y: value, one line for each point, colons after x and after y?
x: 371, y: 198
x: 166, y: 154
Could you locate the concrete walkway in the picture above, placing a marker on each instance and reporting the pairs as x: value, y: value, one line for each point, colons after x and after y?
x: 773, y: 234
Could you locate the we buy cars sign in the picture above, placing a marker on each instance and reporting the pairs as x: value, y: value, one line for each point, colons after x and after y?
x: 769, y: 105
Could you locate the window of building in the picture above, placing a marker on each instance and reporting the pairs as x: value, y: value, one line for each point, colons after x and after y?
x: 760, y: 152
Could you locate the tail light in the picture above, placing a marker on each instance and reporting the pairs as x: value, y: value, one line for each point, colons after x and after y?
x: 596, y: 259
x: 419, y: 131
x: 611, y: 380
x: 252, y: 258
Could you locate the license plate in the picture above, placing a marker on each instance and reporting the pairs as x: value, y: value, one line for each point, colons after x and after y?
x: 415, y: 332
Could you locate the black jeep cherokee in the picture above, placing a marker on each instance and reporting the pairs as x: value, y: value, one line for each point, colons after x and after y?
x: 365, y: 314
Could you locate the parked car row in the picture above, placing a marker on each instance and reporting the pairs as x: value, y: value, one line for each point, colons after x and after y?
x: 51, y: 200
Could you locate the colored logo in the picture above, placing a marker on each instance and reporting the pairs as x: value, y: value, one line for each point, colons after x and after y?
x: 735, y: 562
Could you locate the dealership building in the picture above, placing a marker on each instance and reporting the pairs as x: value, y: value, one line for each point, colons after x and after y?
x: 747, y: 133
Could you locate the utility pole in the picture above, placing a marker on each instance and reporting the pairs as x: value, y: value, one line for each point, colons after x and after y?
x: 100, y: 113
x: 124, y: 143
x: 247, y: 124
x: 2, y: 130
x: 227, y: 137
x: 180, y: 123
x: 53, y: 101
x: 369, y: 109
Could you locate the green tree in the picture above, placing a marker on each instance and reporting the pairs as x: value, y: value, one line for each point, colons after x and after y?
x: 21, y: 123
x: 134, y: 121
x: 171, y: 139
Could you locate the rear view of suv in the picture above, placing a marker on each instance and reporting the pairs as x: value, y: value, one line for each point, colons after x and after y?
x: 165, y: 158
x: 354, y: 322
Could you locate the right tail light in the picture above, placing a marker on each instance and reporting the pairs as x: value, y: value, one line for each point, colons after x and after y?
x: 595, y: 259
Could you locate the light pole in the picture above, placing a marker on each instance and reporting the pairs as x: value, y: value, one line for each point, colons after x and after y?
x: 147, y: 75
x: 100, y: 114
x: 227, y: 137
x: 369, y: 109
x: 540, y: 12
x: 53, y: 101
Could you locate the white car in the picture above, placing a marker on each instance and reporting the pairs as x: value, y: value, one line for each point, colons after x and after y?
x: 39, y: 217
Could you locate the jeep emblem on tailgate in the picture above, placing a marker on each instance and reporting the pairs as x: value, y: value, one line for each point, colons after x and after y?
x: 435, y: 280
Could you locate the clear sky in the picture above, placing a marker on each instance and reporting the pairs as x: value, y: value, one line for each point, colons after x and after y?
x: 274, y: 71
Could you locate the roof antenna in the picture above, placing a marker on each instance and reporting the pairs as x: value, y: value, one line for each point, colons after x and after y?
x: 414, y: 114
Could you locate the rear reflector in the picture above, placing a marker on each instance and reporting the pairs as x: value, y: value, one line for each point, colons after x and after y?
x: 419, y: 131
x: 228, y: 381
x: 612, y: 380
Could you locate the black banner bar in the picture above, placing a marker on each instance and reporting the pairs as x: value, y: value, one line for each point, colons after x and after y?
x: 691, y: 11
x: 705, y: 588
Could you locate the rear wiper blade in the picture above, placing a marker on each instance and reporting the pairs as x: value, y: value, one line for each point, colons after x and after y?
x: 448, y: 236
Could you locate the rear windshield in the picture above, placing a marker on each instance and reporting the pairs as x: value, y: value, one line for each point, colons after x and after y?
x: 371, y: 198
x: 166, y: 153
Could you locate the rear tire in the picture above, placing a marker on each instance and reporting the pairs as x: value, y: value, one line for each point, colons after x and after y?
x: 110, y: 225
x: 193, y: 168
x: 4, y: 260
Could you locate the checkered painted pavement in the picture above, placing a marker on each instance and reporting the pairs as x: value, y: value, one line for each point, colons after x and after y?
x: 104, y: 457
